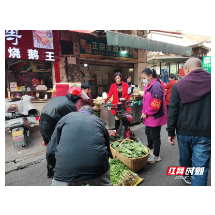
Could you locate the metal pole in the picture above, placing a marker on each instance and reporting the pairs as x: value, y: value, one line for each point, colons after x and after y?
x: 178, y: 68
x: 169, y: 68
x: 160, y: 68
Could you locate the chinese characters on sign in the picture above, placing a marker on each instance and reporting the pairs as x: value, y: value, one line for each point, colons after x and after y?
x: 49, y: 56
x: 14, y: 52
x: 12, y: 35
x: 100, y: 49
x: 33, y: 54
x: 20, y: 51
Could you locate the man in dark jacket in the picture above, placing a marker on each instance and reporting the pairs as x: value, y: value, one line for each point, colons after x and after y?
x: 80, y: 149
x: 85, y: 86
x: 53, y: 111
x: 190, y: 115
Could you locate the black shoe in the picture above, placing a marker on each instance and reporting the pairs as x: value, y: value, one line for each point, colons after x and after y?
x: 50, y: 172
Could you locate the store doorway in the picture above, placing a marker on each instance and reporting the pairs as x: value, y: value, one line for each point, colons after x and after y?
x: 100, y: 77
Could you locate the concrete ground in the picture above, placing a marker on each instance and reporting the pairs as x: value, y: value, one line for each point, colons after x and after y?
x: 33, y: 143
x: 27, y: 166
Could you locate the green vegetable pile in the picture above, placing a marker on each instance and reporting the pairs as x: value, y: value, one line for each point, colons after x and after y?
x: 97, y: 113
x: 130, y: 148
x: 114, y: 138
x: 120, y: 175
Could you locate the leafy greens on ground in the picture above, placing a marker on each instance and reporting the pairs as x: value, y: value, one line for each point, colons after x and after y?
x: 120, y: 175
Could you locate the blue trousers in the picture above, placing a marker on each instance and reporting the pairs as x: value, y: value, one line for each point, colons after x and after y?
x: 195, y: 151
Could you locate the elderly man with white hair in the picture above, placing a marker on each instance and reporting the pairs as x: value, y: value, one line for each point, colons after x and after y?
x: 80, y: 149
x: 190, y: 115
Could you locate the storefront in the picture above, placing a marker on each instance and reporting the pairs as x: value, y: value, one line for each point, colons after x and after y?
x: 165, y: 65
x: 99, y: 62
x: 95, y: 58
x: 31, y: 63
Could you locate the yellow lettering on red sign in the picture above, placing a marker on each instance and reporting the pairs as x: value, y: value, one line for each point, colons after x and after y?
x: 155, y: 104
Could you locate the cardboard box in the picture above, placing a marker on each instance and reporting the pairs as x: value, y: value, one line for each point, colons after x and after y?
x: 13, y: 86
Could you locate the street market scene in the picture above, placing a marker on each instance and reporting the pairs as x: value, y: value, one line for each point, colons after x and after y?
x: 107, y: 108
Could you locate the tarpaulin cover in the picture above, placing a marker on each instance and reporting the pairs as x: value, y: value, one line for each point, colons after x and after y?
x: 124, y: 40
x: 25, y: 107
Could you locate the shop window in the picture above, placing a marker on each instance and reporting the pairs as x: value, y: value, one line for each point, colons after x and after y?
x: 30, y: 74
x: 173, y: 68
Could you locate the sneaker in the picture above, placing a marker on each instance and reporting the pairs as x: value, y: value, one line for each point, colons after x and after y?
x: 186, y: 179
x: 152, y: 158
x: 151, y: 151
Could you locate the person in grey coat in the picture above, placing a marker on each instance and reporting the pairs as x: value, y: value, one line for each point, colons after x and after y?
x: 79, y: 150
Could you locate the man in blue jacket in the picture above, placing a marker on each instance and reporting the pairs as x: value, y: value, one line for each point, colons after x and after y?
x: 190, y: 115
x: 80, y: 149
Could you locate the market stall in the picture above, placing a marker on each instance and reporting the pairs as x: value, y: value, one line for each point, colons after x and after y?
x: 31, y: 59
x: 135, y: 106
x: 27, y: 77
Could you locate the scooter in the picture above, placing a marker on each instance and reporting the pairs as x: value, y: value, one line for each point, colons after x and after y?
x: 20, y: 116
x: 126, y: 119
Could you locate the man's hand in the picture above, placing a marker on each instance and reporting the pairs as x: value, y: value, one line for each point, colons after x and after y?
x: 143, y: 116
x: 165, y: 90
x: 97, y: 108
x: 171, y: 140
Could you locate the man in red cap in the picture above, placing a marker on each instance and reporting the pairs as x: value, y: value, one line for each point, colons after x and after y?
x: 53, y: 111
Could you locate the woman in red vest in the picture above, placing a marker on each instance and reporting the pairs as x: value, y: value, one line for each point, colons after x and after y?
x: 119, y: 90
x: 168, y: 89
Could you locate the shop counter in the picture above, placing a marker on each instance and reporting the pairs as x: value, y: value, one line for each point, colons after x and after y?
x: 27, y: 93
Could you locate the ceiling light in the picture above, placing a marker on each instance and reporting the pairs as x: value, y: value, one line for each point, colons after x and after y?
x: 131, y: 70
x: 85, y: 65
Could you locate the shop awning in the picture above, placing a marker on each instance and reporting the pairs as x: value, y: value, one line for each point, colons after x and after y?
x: 124, y: 40
x: 168, y: 59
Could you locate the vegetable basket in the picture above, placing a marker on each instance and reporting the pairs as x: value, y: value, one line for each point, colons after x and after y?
x: 132, y: 163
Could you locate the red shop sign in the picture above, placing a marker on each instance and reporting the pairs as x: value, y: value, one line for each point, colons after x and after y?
x: 39, y: 45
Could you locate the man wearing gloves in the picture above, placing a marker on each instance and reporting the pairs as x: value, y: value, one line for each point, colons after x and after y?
x: 190, y: 116
x: 79, y: 150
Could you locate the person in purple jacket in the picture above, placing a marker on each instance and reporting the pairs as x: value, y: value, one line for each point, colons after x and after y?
x: 154, y: 112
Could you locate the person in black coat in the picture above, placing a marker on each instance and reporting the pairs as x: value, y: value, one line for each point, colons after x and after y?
x: 189, y: 116
x: 80, y: 149
x: 53, y: 111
